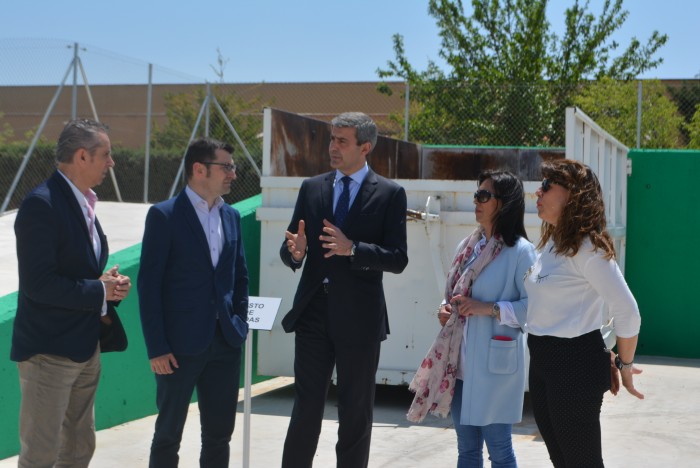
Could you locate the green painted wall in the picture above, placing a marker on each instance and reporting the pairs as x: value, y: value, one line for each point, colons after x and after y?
x: 127, y: 387
x: 663, y: 221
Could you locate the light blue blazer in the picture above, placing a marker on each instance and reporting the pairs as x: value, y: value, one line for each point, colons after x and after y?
x: 494, y: 370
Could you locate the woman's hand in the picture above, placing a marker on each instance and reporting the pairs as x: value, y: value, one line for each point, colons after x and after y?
x: 467, y: 307
x: 628, y: 381
x: 443, y: 314
x: 614, y: 375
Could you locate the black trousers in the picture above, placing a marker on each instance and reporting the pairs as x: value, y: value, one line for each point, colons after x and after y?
x: 568, y: 377
x: 216, y: 375
x: 356, y: 366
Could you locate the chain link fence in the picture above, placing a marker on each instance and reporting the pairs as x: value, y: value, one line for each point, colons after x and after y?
x: 641, y: 114
x: 115, y: 89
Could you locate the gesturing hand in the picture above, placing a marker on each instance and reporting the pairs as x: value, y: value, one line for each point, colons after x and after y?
x: 335, y: 241
x: 296, y: 243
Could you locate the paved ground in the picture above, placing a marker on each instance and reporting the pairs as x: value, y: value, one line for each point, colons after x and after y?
x: 661, y: 431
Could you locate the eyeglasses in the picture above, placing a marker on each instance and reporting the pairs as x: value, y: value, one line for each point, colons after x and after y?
x: 483, y: 196
x: 227, y: 167
x: 547, y: 184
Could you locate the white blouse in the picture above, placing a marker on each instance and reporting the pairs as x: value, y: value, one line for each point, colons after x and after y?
x: 567, y: 296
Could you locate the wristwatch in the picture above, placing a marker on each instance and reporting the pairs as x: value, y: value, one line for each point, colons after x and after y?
x: 495, y: 310
x: 622, y: 365
x: 352, y: 249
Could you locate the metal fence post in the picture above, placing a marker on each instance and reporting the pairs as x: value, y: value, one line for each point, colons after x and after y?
x: 74, y: 98
x: 208, y: 111
x: 405, y: 120
x: 149, y: 110
x: 639, y: 114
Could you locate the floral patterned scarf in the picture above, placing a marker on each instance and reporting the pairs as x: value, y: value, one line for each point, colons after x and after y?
x: 434, y: 381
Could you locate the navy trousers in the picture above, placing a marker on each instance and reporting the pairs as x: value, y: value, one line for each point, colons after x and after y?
x: 356, y: 366
x: 216, y: 375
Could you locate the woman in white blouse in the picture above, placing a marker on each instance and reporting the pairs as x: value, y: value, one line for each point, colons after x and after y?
x: 574, y: 278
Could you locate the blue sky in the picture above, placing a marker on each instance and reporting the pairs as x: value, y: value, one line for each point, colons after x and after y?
x: 270, y: 40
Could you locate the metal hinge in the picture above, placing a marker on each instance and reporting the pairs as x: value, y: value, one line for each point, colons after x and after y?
x: 629, y: 167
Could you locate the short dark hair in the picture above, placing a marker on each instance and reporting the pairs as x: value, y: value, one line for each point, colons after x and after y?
x: 509, y: 220
x: 365, y: 128
x: 203, y: 150
x: 77, y: 134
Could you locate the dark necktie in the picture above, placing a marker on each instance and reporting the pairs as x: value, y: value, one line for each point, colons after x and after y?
x: 343, y: 206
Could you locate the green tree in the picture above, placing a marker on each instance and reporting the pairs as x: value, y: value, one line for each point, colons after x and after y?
x: 6, y: 131
x: 693, y: 129
x: 613, y: 105
x: 182, y: 110
x: 509, y: 77
x: 687, y: 98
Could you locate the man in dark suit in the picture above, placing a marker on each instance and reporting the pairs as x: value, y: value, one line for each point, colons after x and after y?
x: 193, y: 294
x: 350, y: 226
x: 63, y: 315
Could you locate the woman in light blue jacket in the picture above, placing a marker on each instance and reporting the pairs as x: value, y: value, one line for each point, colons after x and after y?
x: 488, y: 396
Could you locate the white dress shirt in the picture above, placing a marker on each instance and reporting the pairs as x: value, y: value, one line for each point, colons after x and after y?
x: 96, y: 245
x: 356, y: 181
x: 568, y: 295
x: 210, y: 221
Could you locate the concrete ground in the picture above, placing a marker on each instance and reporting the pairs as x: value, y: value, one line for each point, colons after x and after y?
x: 663, y: 430
x: 660, y: 431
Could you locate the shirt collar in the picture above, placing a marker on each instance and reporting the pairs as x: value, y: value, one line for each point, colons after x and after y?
x: 200, y: 203
x: 358, y: 176
x: 80, y: 196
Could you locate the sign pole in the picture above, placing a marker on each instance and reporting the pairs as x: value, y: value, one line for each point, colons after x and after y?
x: 246, y: 398
x: 261, y: 316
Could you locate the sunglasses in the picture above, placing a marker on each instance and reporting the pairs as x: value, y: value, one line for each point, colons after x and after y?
x: 547, y: 184
x: 227, y: 167
x: 483, y: 196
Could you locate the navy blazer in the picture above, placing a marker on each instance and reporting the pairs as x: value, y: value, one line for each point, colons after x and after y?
x: 377, y: 221
x: 60, y: 295
x: 180, y: 292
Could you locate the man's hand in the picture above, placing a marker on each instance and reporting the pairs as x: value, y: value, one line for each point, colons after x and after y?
x: 296, y: 243
x: 164, y: 364
x: 117, y: 286
x: 335, y: 241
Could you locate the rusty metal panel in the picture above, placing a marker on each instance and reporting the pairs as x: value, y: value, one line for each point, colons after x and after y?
x: 455, y: 163
x: 299, y: 148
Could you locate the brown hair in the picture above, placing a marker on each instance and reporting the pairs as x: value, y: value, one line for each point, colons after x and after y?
x: 584, y: 213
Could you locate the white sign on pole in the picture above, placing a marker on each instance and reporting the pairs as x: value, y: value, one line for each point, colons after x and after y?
x: 262, y: 312
x: 261, y: 316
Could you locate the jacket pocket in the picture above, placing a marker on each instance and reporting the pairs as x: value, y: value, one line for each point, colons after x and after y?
x: 503, y: 356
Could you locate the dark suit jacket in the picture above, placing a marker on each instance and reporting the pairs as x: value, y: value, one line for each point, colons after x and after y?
x: 60, y: 296
x: 377, y: 221
x: 180, y: 291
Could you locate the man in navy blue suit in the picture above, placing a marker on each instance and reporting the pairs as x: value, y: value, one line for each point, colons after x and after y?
x: 65, y: 305
x: 349, y: 226
x: 193, y: 295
